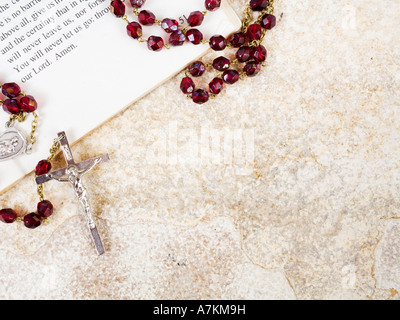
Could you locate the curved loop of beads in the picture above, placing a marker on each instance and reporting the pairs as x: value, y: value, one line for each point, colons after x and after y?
x: 178, y: 33
x: 247, y: 62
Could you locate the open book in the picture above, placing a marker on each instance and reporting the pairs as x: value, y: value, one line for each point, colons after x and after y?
x: 76, y: 59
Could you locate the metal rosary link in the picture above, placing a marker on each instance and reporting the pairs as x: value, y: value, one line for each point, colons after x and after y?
x: 32, y: 139
x: 271, y: 7
x: 21, y: 117
x: 248, y: 16
x: 53, y: 151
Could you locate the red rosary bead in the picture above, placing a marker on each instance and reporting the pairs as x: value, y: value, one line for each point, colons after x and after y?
x: 118, y: 8
x: 194, y: 36
x: 45, y: 209
x: 212, y: 5
x: 195, y: 19
x: 218, y: 43
x: 155, y: 43
x: 7, y: 215
x: 244, y: 54
x: 134, y: 30
x: 252, y: 68
x: 268, y: 21
x: 254, y: 32
x: 137, y: 3
x: 28, y: 104
x: 177, y: 38
x: 11, y: 90
x: 32, y: 221
x: 200, y: 96
x: 197, y: 69
x: 221, y: 63
x: 43, y: 167
x: 237, y: 39
x: 146, y: 18
x: 258, y: 5
x: 216, y: 85
x: 187, y: 85
x: 230, y: 76
x: 169, y: 25
x: 12, y: 106
x: 260, y: 53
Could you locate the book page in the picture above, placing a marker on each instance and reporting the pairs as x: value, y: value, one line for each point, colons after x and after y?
x: 75, y: 58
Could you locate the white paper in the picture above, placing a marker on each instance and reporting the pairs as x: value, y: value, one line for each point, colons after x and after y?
x: 91, y: 69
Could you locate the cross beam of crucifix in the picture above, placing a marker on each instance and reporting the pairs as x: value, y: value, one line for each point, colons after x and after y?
x: 73, y: 173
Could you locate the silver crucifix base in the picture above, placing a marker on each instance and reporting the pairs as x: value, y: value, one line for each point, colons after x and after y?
x: 73, y: 173
x: 97, y: 241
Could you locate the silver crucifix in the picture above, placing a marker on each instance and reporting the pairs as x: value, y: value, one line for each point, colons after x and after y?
x: 73, y: 173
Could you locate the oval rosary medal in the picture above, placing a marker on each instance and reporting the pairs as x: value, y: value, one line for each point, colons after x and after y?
x: 12, y: 143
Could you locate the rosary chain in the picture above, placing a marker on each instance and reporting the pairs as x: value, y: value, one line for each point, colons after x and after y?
x: 53, y: 151
x: 20, y: 117
x: 136, y: 11
x: 40, y: 192
x: 248, y: 16
x: 34, y: 126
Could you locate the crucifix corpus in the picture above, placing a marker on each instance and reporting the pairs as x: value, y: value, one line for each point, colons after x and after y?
x: 73, y: 173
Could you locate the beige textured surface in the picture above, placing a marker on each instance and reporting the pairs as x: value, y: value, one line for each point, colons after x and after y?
x: 314, y: 216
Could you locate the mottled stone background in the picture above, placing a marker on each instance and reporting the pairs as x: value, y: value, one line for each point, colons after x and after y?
x: 311, y: 212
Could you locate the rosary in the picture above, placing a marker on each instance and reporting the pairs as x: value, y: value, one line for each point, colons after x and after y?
x: 13, y: 143
x: 246, y: 62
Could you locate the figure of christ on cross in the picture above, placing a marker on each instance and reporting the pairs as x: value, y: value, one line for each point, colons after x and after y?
x: 73, y: 173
